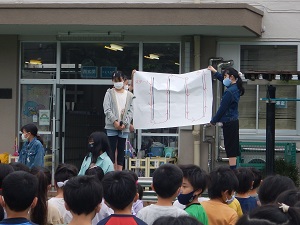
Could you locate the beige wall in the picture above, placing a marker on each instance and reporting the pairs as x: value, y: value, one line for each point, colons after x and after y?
x: 8, y: 79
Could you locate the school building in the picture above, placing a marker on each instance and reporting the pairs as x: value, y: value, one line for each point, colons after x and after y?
x: 56, y: 58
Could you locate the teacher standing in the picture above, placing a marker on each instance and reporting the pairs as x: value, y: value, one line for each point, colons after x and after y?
x: 228, y: 113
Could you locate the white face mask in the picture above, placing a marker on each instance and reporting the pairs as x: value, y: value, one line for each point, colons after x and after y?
x: 24, y: 139
x: 126, y: 87
x: 118, y: 85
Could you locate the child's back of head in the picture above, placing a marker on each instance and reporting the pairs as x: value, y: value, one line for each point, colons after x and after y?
x: 95, y: 171
x: 167, y: 180
x: 19, y: 190
x: 19, y: 166
x: 257, y: 177
x: 83, y: 194
x: 119, y: 188
x: 63, y: 173
x: 272, y: 186
x: 222, y: 179
x: 5, y: 169
x: 245, y: 178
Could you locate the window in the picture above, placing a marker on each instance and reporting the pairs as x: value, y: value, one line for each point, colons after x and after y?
x: 268, y: 58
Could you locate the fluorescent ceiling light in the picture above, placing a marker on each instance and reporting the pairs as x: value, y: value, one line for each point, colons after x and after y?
x: 114, y: 47
x: 152, y: 56
x: 34, y: 62
x: 177, y: 64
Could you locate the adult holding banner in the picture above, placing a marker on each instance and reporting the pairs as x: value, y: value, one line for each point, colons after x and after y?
x: 227, y: 113
x: 118, y: 110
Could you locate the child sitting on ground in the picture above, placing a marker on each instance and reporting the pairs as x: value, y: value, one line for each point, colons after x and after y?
x: 19, y: 191
x: 245, y: 178
x: 83, y: 196
x: 119, y: 193
x: 193, y: 185
x: 167, y: 180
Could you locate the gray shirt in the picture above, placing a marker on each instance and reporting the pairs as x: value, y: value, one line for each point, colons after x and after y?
x: 150, y: 213
x: 110, y: 107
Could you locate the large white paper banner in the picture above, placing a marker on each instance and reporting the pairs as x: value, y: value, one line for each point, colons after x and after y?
x: 172, y: 100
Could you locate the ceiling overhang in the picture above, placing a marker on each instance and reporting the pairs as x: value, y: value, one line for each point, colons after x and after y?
x: 230, y: 19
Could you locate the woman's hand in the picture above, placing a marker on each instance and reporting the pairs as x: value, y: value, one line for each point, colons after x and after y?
x: 212, y: 69
x: 116, y: 124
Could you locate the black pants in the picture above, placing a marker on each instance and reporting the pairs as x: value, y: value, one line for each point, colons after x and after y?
x: 119, y: 143
x: 231, y: 138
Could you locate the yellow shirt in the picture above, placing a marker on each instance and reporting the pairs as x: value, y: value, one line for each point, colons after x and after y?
x: 237, y: 207
x: 219, y: 213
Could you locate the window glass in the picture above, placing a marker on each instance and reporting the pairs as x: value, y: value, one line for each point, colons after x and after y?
x: 161, y: 58
x: 268, y: 58
x: 97, y: 60
x: 38, y: 60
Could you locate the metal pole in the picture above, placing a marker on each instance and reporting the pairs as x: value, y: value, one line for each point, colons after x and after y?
x: 270, y: 131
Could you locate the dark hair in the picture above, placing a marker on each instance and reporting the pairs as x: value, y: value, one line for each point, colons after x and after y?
x: 40, y: 211
x: 1, y: 213
x: 222, y: 179
x: 166, y: 180
x: 19, y: 166
x: 196, y: 176
x: 5, y: 169
x: 101, y: 145
x: 272, y: 186
x: 64, y: 172
x: 117, y: 76
x: 140, y: 191
x: 19, y: 190
x: 180, y: 220
x: 270, y: 215
x: 82, y: 194
x: 232, y: 72
x: 95, y: 171
x: 119, y: 189
x: 245, y: 178
x: 33, y: 130
x: 257, y: 177
x: 289, y: 197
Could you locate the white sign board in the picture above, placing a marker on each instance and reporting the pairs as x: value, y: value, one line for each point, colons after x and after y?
x: 44, y: 117
x: 172, y: 100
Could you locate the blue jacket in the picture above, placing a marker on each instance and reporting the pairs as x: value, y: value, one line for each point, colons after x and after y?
x: 228, y: 110
x: 32, y: 153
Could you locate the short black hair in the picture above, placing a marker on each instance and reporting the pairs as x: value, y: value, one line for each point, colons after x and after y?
x: 19, y: 188
x: 245, y: 178
x: 64, y: 172
x: 119, y: 189
x: 5, y: 169
x: 196, y: 176
x: 19, y: 166
x: 167, y: 179
x: 222, y: 179
x: 269, y: 215
x: 140, y: 190
x: 257, y: 177
x: 95, y: 171
x: 272, y: 186
x: 180, y: 220
x: 82, y: 194
x: 289, y: 197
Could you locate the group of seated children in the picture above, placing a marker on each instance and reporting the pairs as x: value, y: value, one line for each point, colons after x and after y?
x: 115, y: 198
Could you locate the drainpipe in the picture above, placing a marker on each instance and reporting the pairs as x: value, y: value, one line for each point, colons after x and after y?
x: 196, y: 128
